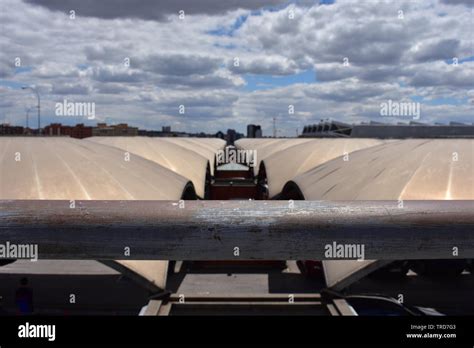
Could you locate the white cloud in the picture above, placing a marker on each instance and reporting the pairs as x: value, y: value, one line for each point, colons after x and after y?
x: 174, y: 62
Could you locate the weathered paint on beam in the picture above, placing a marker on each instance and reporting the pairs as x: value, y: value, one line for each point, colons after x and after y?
x: 211, y: 230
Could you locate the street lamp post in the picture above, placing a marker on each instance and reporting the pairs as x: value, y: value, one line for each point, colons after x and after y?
x: 28, y: 119
x: 39, y: 105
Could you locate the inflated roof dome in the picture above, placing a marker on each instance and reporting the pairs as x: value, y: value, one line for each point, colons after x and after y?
x: 65, y: 168
x: 212, y: 143
x: 412, y: 169
x: 168, y: 154
x: 286, y: 164
x: 206, y: 147
x: 266, y: 147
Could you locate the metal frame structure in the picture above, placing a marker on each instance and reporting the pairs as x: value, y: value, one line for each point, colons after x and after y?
x: 231, y: 304
x: 238, y: 230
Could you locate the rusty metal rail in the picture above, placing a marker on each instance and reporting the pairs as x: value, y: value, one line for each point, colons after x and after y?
x: 239, y: 230
x: 247, y: 304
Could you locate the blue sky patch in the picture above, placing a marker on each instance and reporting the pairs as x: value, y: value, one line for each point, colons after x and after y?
x: 460, y: 60
x: 440, y: 101
x: 12, y: 84
x: 23, y: 69
x: 261, y: 82
x: 229, y: 31
x: 83, y: 66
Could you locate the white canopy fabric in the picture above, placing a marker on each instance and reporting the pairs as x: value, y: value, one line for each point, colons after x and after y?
x: 65, y: 168
x: 411, y: 169
x: 266, y: 147
x: 289, y: 162
x: 70, y: 169
x: 212, y: 143
x: 168, y: 154
x: 205, y: 147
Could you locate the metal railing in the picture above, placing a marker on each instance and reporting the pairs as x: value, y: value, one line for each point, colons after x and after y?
x: 239, y: 230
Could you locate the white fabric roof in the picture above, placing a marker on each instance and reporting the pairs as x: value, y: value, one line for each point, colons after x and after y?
x: 65, y: 168
x: 287, y: 163
x: 416, y: 169
x: 168, y: 154
x: 206, y: 147
x: 411, y: 169
x: 265, y: 147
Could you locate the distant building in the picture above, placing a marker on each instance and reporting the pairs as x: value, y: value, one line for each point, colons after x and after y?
x: 55, y: 129
x: 164, y: 132
x: 122, y: 129
x: 150, y: 133
x: 6, y: 129
x: 232, y: 136
x: 387, y: 131
x: 79, y: 131
x: 412, y: 131
x: 102, y: 130
x: 254, y: 131
x: 327, y: 129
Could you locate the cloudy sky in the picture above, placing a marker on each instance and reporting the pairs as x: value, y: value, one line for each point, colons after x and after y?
x: 230, y: 63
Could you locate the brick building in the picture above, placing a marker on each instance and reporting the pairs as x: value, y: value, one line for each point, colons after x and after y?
x: 6, y: 129
x: 79, y: 131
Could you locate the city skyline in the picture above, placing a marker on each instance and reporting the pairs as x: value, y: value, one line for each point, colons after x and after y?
x: 227, y: 66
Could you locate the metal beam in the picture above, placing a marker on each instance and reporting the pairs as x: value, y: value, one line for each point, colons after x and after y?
x: 141, y: 275
x: 344, y: 308
x: 153, y: 308
x: 213, y: 230
x: 235, y: 297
